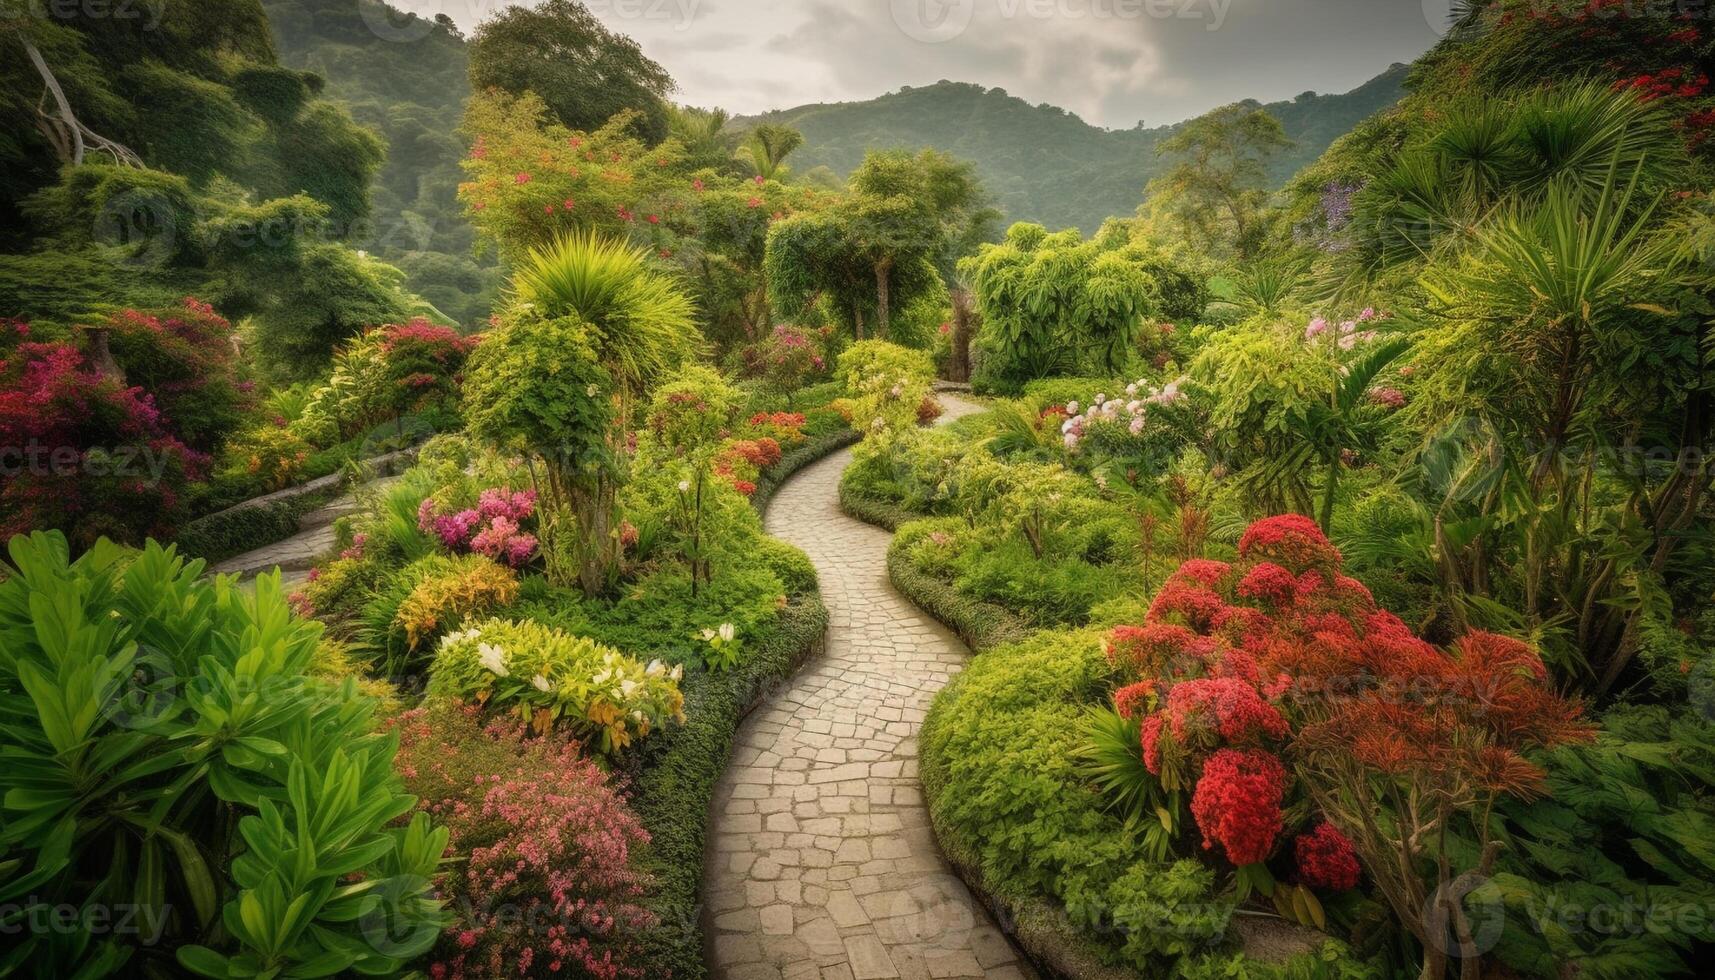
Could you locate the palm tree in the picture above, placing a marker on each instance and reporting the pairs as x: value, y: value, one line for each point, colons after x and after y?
x: 703, y: 134
x: 640, y: 325
x: 767, y: 147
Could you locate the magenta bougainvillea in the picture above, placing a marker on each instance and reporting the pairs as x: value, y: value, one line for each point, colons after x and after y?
x: 83, y: 451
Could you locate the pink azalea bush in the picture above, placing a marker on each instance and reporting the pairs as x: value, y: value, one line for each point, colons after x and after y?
x: 494, y: 527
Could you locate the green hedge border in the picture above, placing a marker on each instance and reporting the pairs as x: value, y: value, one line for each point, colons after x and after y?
x: 247, y: 527
x: 675, y: 774
x: 675, y: 779
x: 982, y: 625
x: 879, y: 513
x: 1047, y: 938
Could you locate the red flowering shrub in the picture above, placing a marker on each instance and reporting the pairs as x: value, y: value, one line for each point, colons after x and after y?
x: 545, y: 887
x: 742, y: 461
x: 186, y: 359
x: 83, y: 452
x: 1236, y: 664
x: 785, y: 361
x: 1326, y: 859
x: 785, y: 428
x: 1237, y: 803
x: 423, y: 362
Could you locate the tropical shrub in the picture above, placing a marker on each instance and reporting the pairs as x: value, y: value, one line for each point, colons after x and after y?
x: 185, y: 358
x: 786, y: 361
x: 694, y: 409
x: 144, y: 768
x: 448, y: 591
x: 1056, y: 304
x: 548, y: 886
x: 396, y: 370
x: 887, y: 383
x: 268, y: 457
x: 89, y: 455
x: 1237, y: 662
x: 548, y: 678
x: 593, y: 329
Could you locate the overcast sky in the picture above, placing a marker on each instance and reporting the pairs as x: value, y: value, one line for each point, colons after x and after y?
x: 1113, y: 62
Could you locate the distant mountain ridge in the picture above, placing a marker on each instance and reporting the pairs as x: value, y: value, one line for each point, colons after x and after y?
x: 1043, y: 163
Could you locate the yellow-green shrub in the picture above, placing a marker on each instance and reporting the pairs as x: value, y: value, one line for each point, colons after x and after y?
x: 455, y: 589
x: 547, y: 677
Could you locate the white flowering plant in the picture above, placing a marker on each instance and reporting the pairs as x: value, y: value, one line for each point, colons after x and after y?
x: 720, y: 647
x: 551, y: 679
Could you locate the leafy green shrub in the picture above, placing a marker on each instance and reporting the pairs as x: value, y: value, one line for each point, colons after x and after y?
x: 546, y: 677
x: 1002, y: 777
x: 692, y: 410
x: 268, y: 457
x: 144, y: 767
x: 887, y: 384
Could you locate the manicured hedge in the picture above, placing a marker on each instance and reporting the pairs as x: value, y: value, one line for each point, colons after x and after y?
x: 982, y: 625
x: 881, y: 513
x: 674, y: 776
x: 247, y: 527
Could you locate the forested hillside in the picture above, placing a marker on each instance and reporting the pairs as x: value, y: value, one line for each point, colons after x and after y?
x: 406, y: 78
x: 1043, y: 163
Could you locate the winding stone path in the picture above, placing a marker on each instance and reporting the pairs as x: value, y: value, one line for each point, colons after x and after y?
x: 822, y: 864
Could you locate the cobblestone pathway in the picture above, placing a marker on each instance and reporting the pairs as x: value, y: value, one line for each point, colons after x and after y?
x: 822, y: 865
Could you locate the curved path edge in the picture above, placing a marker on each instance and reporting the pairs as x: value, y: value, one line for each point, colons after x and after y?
x: 822, y: 863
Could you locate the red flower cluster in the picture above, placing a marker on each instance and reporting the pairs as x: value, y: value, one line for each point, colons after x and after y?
x: 1237, y: 803
x: 1327, y: 859
x: 1281, y: 648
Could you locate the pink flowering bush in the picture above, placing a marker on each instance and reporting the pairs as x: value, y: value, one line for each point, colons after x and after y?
x: 94, y: 455
x: 542, y: 883
x: 495, y: 527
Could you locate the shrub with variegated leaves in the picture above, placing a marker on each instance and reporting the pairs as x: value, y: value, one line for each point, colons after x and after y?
x: 550, y: 679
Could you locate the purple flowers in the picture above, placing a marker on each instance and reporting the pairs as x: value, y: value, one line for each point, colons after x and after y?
x: 493, y: 528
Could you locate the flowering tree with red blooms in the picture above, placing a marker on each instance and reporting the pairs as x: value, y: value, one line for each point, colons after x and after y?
x: 423, y: 362
x: 1277, y: 678
x: 83, y: 451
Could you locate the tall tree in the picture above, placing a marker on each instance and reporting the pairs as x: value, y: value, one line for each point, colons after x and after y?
x: 1217, y: 190
x: 584, y: 72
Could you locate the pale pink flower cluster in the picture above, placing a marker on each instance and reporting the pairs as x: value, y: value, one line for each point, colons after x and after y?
x: 1132, y: 411
x: 1349, y: 333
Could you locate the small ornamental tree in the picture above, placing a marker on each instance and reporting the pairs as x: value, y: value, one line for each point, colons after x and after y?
x: 1278, y: 678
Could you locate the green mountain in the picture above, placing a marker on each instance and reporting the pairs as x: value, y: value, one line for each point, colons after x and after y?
x: 406, y: 78
x: 1043, y: 163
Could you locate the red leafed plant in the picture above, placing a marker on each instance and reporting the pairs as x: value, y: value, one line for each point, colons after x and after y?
x: 543, y: 883
x: 1277, y: 677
